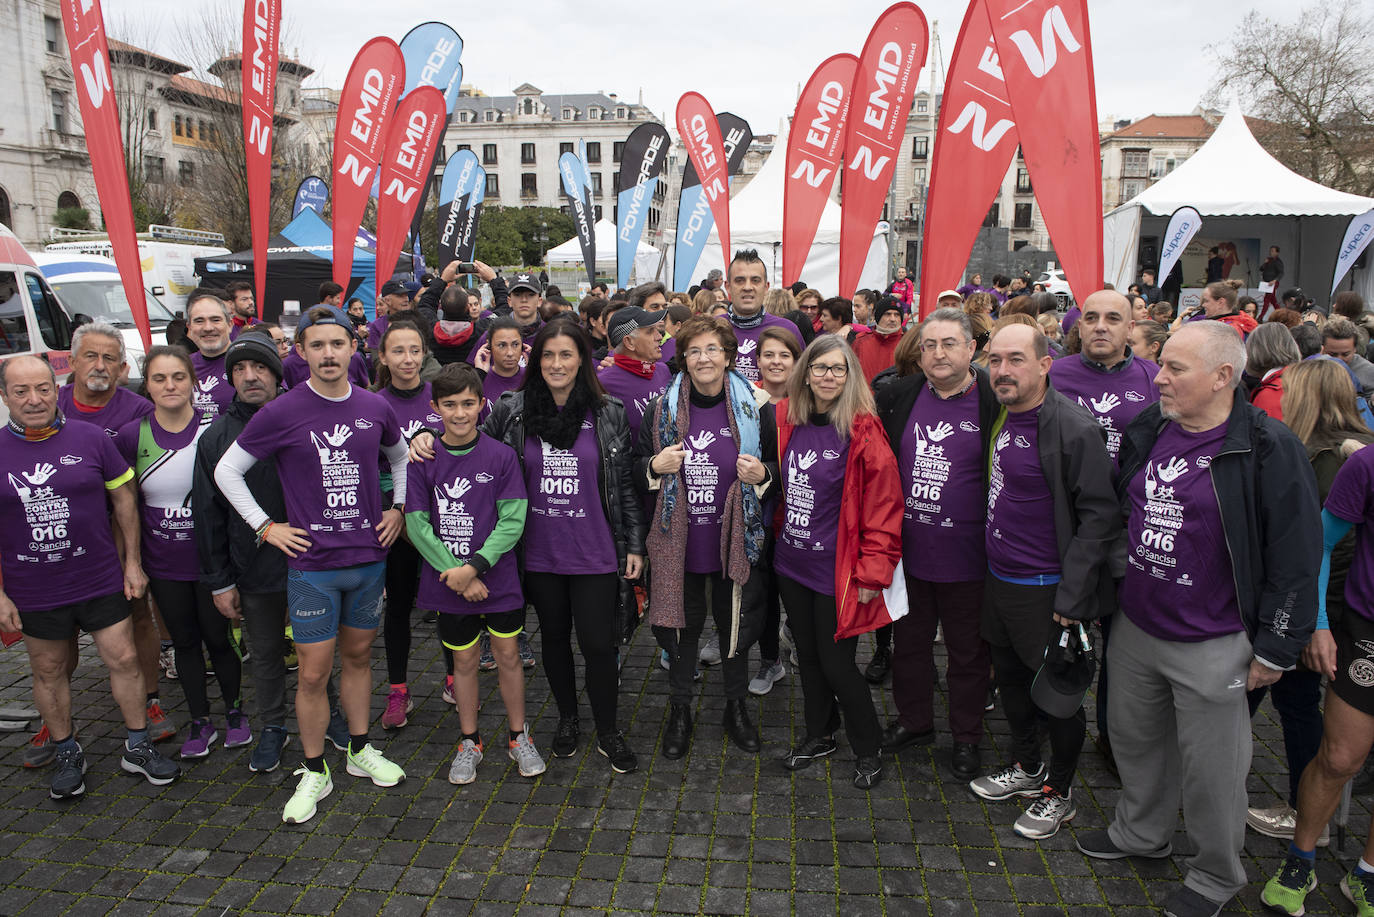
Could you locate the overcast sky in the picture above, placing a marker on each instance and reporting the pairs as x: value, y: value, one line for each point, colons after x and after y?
x: 749, y: 58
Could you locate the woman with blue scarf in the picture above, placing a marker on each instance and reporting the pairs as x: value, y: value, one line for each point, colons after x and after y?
x: 700, y: 449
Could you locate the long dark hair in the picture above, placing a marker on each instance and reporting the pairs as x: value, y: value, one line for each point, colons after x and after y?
x: 543, y: 418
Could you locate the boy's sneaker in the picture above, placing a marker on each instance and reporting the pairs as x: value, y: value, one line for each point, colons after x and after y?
x: 526, y: 651
x: 463, y: 770
x: 566, y: 737
x: 167, y: 661
x: 526, y: 757
x: 160, y: 727
x: 69, y: 781
x: 488, y: 661
x: 617, y: 751
x: 1359, y: 891
x: 398, y: 704
x: 1008, y: 782
x: 144, y: 759
x: 337, y: 733
x: 267, y: 756
x: 202, y: 737
x: 449, y: 696
x: 1287, y: 890
x: 40, y: 751
x: 1043, y: 817
x: 769, y: 674
x: 237, y: 732
x: 370, y: 763
x: 806, y: 754
x: 666, y: 664
x: 709, y: 654
x: 312, y: 788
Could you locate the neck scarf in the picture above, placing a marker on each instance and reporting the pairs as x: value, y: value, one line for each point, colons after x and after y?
x: 752, y: 321
x: 37, y: 434
x: 635, y: 365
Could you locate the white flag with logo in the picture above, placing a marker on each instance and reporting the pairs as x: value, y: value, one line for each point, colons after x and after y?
x: 1183, y: 225
x: 1357, y: 237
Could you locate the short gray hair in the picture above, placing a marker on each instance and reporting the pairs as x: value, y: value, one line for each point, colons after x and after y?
x: 1270, y: 346
x: 201, y: 296
x: 102, y: 328
x: 1223, y: 344
x: 949, y: 314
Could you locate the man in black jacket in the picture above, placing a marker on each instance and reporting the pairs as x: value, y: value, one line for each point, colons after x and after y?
x: 1223, y: 543
x: 248, y: 580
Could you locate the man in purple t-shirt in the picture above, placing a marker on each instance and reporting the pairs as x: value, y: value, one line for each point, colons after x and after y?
x: 94, y: 394
x: 325, y: 436
x: 1223, y: 543
x: 636, y: 376
x: 207, y: 325
x: 61, y: 570
x: 748, y: 282
x: 1051, y: 519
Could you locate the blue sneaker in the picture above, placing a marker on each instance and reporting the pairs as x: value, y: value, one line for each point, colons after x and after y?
x: 337, y: 733
x: 266, y: 756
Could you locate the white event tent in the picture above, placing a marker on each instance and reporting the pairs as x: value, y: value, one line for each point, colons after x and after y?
x: 569, y: 255
x: 1242, y: 192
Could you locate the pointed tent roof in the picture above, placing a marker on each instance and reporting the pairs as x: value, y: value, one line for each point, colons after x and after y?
x: 1232, y: 175
x: 571, y: 250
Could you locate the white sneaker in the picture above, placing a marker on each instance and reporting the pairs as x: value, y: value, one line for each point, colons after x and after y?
x: 769, y: 675
x: 1044, y: 816
x: 1008, y: 782
x: 526, y: 756
x: 709, y: 654
x: 463, y: 770
x: 1280, y: 821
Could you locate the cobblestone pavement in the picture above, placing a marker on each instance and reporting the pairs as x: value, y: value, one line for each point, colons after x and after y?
x: 719, y: 832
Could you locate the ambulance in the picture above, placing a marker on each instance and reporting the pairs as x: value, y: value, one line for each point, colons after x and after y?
x: 32, y: 319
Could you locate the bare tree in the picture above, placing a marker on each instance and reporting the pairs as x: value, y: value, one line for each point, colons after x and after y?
x: 1313, y: 80
x: 137, y: 75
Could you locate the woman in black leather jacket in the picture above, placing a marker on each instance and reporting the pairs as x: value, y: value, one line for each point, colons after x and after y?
x: 571, y: 437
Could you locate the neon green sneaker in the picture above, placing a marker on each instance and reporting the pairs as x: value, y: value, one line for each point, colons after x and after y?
x: 312, y: 788
x: 1288, y: 889
x: 370, y: 763
x: 1359, y: 891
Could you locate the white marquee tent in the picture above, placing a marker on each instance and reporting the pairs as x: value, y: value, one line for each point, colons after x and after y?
x: 756, y: 222
x: 569, y: 255
x: 1242, y: 192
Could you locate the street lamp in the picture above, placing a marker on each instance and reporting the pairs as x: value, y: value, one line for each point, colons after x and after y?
x: 543, y: 237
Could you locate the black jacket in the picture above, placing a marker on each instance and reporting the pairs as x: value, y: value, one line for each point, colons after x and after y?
x: 229, y: 552
x: 619, y: 501
x: 1267, y: 494
x: 427, y: 303
x: 896, y: 399
x: 1087, y: 518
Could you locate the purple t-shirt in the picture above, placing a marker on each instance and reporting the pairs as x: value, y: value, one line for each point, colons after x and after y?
x: 460, y: 492
x: 749, y: 344
x: 566, y: 529
x: 708, y: 472
x: 1021, y: 540
x: 413, y: 413
x: 214, y: 392
x: 1114, y: 398
x: 56, y: 547
x: 814, y: 468
x: 494, y: 386
x: 326, y: 454
x: 669, y: 350
x: 165, y: 471
x: 375, y: 329
x: 294, y: 370
x: 1352, y: 498
x: 1179, y: 584
x: 123, y: 407
x: 528, y: 338
x: 634, y: 391
x: 940, y: 457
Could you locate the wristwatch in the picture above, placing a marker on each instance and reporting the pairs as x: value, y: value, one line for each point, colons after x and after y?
x: 399, y: 507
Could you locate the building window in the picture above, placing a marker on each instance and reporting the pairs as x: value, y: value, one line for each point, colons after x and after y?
x: 1135, y: 163
x: 527, y: 153
x: 994, y: 214
x: 596, y: 183
x: 204, y: 131
x: 593, y: 113
x: 528, y: 106
x: 569, y: 114
x: 596, y: 213
x: 919, y: 176
x: 529, y: 185
x: 152, y: 119
x: 5, y: 215
x: 1022, y: 218
x: 59, y: 111
x: 593, y: 152
x: 463, y: 117
x: 1131, y: 188
x: 922, y: 106
x: 178, y: 125
x: 620, y: 111
x: 920, y: 147
x: 618, y: 151
x: 154, y: 168
x: 52, y: 29
x: 463, y: 146
x: 67, y: 200
x: 491, y: 115
x: 493, y: 186
x: 1161, y: 165
x: 186, y: 172
x: 1023, y: 182
x: 488, y: 154
x: 564, y: 148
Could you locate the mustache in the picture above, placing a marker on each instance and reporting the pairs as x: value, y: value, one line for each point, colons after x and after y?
x: 1004, y: 380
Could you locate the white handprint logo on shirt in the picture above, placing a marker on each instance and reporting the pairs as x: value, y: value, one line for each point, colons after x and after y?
x: 446, y: 496
x: 208, y: 383
x: 942, y: 430
x: 1176, y: 468
x: 1106, y: 403
x: 702, y: 440
x: 1003, y: 440
x: 807, y: 459
x: 748, y: 346
x: 40, y: 474
x: 337, y: 438
x: 923, y: 446
x: 410, y: 429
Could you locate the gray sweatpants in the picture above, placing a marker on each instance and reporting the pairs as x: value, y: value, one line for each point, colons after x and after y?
x: 1180, y: 729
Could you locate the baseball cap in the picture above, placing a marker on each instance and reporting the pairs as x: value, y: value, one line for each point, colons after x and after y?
x: 1066, y: 674
x: 629, y: 320
x: 335, y: 316
x: 953, y: 293
x: 393, y: 287
x: 524, y: 280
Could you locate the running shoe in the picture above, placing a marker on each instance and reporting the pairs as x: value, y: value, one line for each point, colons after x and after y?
x: 463, y: 770
x: 69, y: 779
x: 398, y: 704
x: 1281, y: 821
x: 526, y: 651
x: 526, y: 756
x: 337, y: 733
x: 267, y: 756
x: 160, y: 727
x: 237, y: 732
x: 370, y: 763
x: 614, y: 748
x: 167, y: 661
x: 566, y: 737
x: 709, y: 654
x: 1008, y: 782
x: 1358, y: 889
x: 770, y: 673
x: 868, y: 772
x: 313, y: 787
x: 40, y: 751
x: 806, y: 754
x: 449, y: 696
x: 1044, y: 816
x: 1288, y: 889
x: 144, y: 759
x: 201, y: 738
x: 487, y: 663
x: 666, y: 665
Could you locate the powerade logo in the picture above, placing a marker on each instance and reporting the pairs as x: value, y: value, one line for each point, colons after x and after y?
x: 571, y: 187
x: 635, y: 206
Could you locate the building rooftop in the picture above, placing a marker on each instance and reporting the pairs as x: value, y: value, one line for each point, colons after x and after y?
x: 123, y: 52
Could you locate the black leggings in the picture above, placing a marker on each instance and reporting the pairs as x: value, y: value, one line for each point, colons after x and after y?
x: 589, y: 601
x: 402, y: 582
x: 192, y: 620
x: 1014, y: 679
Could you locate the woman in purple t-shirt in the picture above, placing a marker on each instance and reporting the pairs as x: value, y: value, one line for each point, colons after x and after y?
x: 501, y: 360
x: 162, y: 450
x: 699, y: 449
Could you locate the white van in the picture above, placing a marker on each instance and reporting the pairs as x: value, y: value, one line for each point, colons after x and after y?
x: 32, y: 319
x: 167, y: 253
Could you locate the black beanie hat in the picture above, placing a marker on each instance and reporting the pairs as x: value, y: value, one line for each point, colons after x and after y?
x: 253, y: 345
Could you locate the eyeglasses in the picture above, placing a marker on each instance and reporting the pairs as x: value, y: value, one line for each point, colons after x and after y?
x: 932, y: 346
x: 839, y: 370
x: 696, y: 353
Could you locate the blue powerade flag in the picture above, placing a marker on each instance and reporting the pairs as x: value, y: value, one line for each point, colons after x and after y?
x: 577, y: 188
x: 461, y: 175
x: 432, y: 51
x: 312, y: 194
x: 467, y: 229
x: 694, y: 220
x: 641, y: 164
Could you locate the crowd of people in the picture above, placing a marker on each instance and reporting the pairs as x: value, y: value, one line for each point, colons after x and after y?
x: 738, y: 465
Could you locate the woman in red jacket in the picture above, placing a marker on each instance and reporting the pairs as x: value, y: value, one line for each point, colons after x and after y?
x: 838, y: 545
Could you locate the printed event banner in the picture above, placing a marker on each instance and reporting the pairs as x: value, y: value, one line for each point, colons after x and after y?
x: 460, y: 176
x: 311, y: 194
x: 258, y: 69
x: 1357, y: 237
x: 701, y: 135
x: 694, y: 219
x: 884, y: 83
x: 1183, y: 225
x: 432, y: 52
x: 466, y: 246
x: 1045, y: 52
x: 411, y: 140
x: 814, y: 148
x: 974, y: 145
x: 577, y: 188
x: 365, y: 105
x: 90, y: 54
x: 641, y: 163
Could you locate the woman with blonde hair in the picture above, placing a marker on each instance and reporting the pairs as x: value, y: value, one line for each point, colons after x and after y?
x: 779, y: 301
x: 703, y: 302
x: 980, y: 303
x: 838, y: 546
